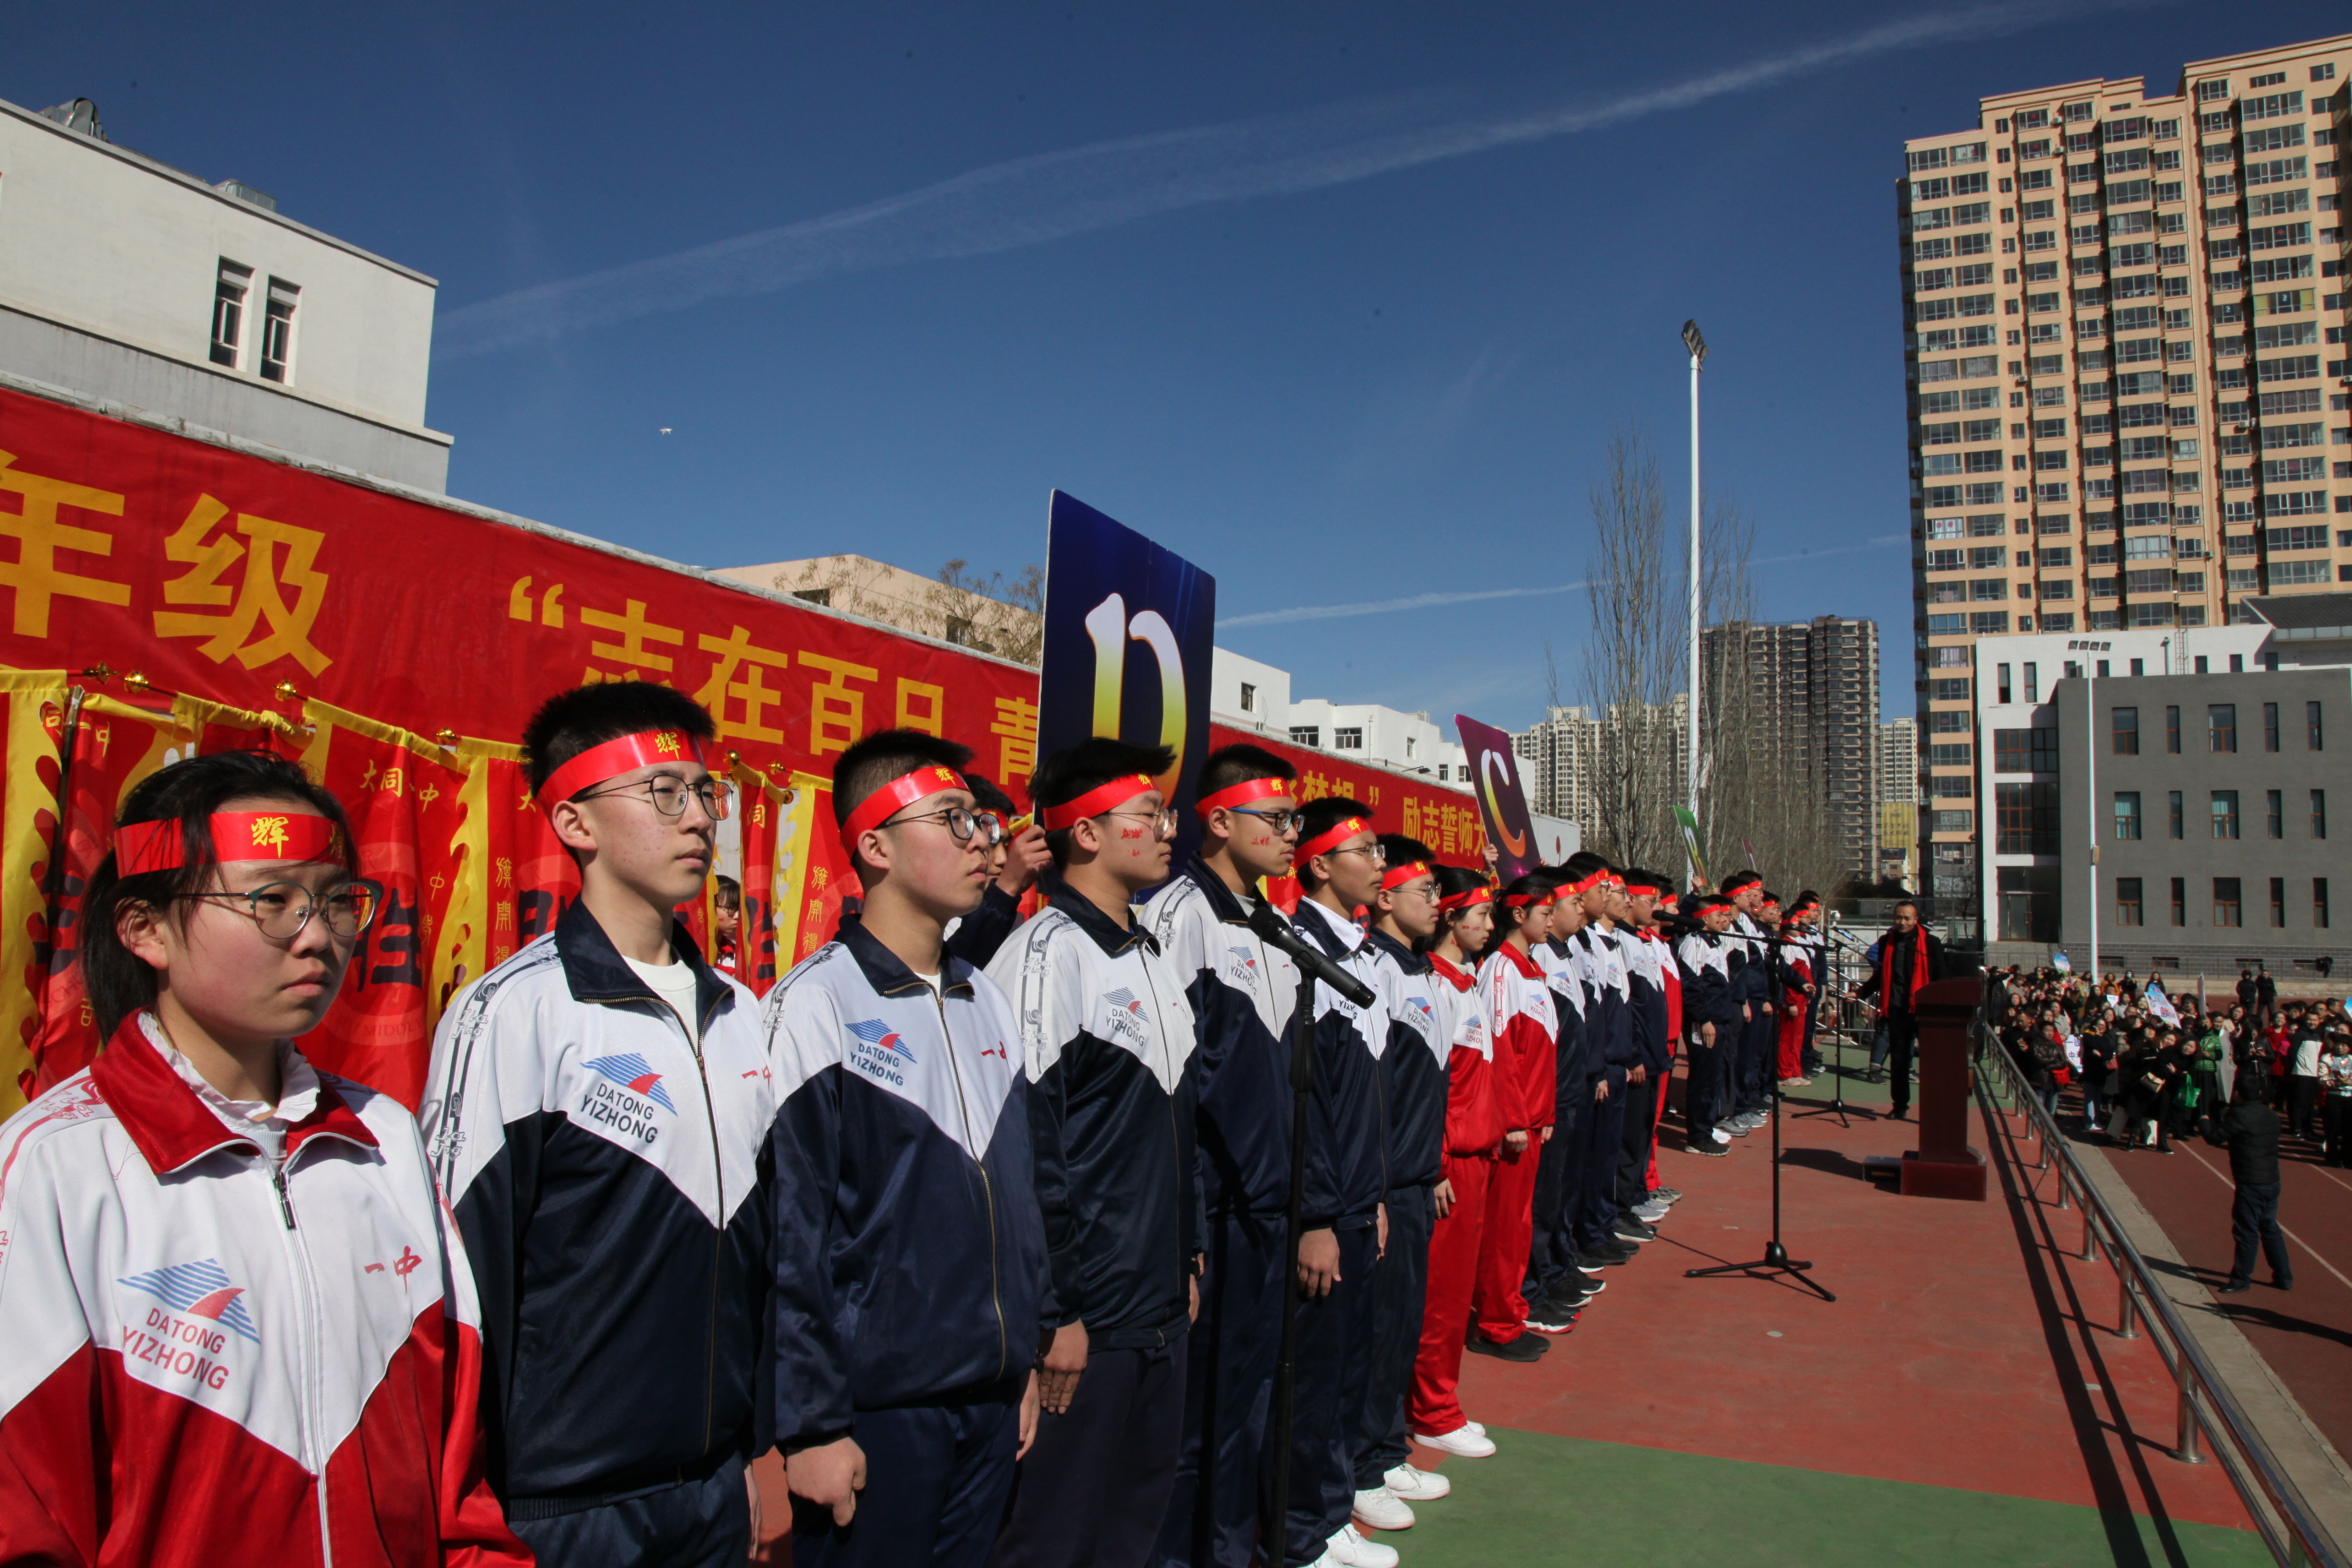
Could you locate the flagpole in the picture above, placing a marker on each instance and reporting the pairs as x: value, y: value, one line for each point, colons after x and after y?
x: 1697, y: 344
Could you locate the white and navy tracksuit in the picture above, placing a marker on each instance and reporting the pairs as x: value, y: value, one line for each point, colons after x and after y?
x: 1597, y: 957
x: 1710, y: 995
x: 911, y: 1273
x: 1241, y: 994
x: 1559, y: 1164
x: 1422, y: 1012
x: 1751, y: 962
x: 234, y: 1332
x: 1645, y: 1010
x: 1108, y: 1039
x: 608, y: 1166
x: 1346, y: 1173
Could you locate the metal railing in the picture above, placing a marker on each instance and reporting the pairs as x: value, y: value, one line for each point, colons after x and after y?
x: 2208, y: 1414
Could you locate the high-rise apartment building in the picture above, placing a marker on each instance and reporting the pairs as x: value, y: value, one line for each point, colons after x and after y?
x: 1898, y: 799
x: 2124, y: 350
x: 1565, y: 762
x: 1800, y: 702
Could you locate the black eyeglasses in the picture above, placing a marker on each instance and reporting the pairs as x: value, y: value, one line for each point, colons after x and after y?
x: 283, y: 908
x: 1164, y: 821
x: 962, y: 823
x: 1279, y: 821
x: 669, y: 793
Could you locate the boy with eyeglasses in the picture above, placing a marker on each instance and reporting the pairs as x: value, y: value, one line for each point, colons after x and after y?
x: 911, y: 1270
x: 1339, y: 865
x: 1017, y: 855
x: 1106, y: 1036
x: 597, y: 1110
x: 1241, y: 993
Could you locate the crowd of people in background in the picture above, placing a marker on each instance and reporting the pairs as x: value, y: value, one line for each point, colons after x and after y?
x: 984, y: 1215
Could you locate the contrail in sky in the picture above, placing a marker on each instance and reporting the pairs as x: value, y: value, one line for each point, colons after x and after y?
x: 1425, y: 601
x: 1050, y: 196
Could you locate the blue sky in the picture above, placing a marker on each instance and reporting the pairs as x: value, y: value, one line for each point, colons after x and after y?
x: 1342, y: 300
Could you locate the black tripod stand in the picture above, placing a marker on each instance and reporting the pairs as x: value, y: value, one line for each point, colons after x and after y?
x: 1776, y: 1260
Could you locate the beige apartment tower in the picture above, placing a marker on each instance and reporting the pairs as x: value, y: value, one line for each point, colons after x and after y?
x: 2130, y: 391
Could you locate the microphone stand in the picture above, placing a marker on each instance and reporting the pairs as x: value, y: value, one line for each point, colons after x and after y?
x: 1270, y: 928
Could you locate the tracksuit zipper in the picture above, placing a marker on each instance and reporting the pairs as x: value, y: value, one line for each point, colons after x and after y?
x: 1175, y: 1133
x: 987, y: 1189
x: 313, y: 1422
x: 718, y: 1239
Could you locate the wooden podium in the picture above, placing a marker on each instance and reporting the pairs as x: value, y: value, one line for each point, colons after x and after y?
x: 1943, y: 1166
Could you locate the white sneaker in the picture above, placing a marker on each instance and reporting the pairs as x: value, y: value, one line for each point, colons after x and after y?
x: 1718, y: 1135
x: 1650, y: 1213
x: 1350, y: 1549
x: 1383, y: 1510
x: 1469, y: 1426
x: 1417, y: 1486
x: 1462, y: 1443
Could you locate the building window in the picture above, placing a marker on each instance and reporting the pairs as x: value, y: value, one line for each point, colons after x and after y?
x: 2270, y: 727
x: 2172, y: 729
x: 278, y: 332
x: 2128, y: 901
x: 2028, y: 904
x: 1249, y: 698
x: 2126, y: 729
x: 1306, y: 735
x: 2225, y: 814
x: 1347, y: 740
x: 2228, y: 909
x: 2025, y: 750
x: 2025, y: 818
x: 2001, y: 678
x: 2319, y: 902
x: 2033, y: 679
x: 2278, y: 902
x: 2126, y: 814
x: 2310, y: 735
x: 2277, y: 801
x: 228, y: 312
x: 2180, y: 901
x: 2221, y: 726
x: 2319, y: 814
x: 815, y: 596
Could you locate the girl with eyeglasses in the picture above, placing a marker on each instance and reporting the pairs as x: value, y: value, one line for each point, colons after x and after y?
x: 238, y: 1322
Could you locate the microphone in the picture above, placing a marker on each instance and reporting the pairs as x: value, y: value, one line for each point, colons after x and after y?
x: 1277, y: 932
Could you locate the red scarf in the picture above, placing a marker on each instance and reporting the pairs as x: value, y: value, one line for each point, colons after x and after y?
x: 1918, y: 969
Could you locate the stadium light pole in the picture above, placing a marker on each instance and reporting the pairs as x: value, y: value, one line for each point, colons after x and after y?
x: 1697, y: 344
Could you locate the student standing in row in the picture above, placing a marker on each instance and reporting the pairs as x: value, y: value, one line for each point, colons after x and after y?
x: 1108, y: 1040
x: 598, y: 1108
x: 1241, y: 993
x: 238, y: 1325
x: 1522, y: 1020
x: 912, y: 1300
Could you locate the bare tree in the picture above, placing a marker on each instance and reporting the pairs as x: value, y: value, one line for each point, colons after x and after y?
x: 996, y: 615
x: 1633, y: 658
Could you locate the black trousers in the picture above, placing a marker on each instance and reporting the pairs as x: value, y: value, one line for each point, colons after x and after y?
x: 1400, y: 1287
x: 2253, y: 1224
x: 1902, y: 1039
x: 2338, y: 1108
x: 695, y: 1524
x: 1702, y: 1091
x: 935, y: 1479
x: 1759, y: 1043
x: 1334, y: 1363
x: 2303, y: 1118
x: 1634, y: 1144
x: 1095, y: 1485
x: 1604, y: 1146
x: 1212, y: 1518
x: 1559, y: 1177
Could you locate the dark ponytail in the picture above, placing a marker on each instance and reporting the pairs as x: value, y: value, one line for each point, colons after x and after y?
x: 118, y: 982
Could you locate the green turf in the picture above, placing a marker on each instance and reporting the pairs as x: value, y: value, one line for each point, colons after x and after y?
x: 1546, y: 1499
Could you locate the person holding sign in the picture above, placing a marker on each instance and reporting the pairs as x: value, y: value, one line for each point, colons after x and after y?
x: 239, y: 1326
x: 912, y: 1299
x: 1106, y: 1038
x: 598, y: 1110
x: 1241, y: 993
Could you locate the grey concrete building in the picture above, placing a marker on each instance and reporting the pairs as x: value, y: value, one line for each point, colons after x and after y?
x: 2214, y: 801
x: 1801, y: 699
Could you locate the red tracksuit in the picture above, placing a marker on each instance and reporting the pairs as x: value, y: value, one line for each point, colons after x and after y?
x: 1793, y: 1014
x: 1474, y: 1134
x: 1526, y: 1032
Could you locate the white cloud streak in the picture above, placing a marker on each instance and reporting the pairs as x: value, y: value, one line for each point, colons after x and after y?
x: 1053, y: 196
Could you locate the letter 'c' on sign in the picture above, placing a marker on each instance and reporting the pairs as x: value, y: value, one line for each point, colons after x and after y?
x: 1108, y: 625
x: 1514, y: 842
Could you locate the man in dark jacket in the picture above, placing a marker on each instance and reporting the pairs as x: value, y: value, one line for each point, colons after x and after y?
x: 1909, y: 959
x: 2252, y: 1130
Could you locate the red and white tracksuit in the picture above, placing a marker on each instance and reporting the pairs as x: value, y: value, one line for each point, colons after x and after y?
x: 218, y: 1355
x: 1474, y: 1134
x: 1793, y: 1003
x: 1526, y: 1035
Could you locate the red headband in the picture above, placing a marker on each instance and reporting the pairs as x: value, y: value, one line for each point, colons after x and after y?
x: 1589, y: 883
x: 1396, y: 876
x: 1096, y: 801
x: 1325, y: 841
x: 1248, y: 789
x: 895, y: 797
x: 143, y: 846
x: 1636, y: 892
x: 1521, y: 900
x: 614, y: 758
x: 1467, y: 900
